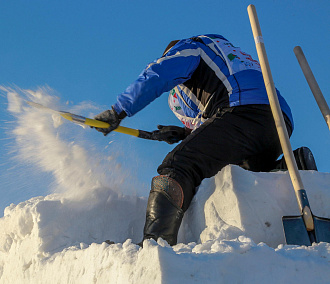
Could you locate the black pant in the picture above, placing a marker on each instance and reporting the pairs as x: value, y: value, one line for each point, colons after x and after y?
x: 242, y: 135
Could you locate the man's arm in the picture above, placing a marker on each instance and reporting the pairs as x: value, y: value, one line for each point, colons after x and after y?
x: 176, y: 67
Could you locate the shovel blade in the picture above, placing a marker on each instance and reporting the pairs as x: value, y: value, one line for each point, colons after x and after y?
x: 295, y: 231
x: 322, y: 229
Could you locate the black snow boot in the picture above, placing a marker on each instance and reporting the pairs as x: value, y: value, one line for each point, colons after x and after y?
x: 304, y: 158
x: 164, y: 213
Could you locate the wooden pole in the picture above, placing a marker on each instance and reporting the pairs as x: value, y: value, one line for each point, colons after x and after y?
x: 321, y: 102
x: 279, y: 120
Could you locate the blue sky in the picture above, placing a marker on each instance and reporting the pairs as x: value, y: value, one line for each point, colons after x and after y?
x: 91, y: 50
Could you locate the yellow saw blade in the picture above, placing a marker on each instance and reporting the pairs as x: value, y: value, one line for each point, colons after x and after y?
x: 84, y: 120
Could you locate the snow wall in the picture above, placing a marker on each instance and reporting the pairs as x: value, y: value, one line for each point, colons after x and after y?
x: 232, y: 232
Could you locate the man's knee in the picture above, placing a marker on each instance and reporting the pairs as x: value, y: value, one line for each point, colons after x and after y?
x: 170, y: 187
x: 176, y: 180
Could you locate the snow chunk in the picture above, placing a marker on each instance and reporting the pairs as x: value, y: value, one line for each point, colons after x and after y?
x: 225, y: 236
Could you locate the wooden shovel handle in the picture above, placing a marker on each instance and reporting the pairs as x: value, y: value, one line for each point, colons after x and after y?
x: 273, y: 100
x: 321, y: 102
x: 279, y: 120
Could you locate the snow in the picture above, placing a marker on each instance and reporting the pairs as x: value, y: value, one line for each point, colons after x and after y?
x: 232, y: 232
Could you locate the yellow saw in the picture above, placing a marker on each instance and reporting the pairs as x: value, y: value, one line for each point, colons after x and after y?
x: 81, y: 120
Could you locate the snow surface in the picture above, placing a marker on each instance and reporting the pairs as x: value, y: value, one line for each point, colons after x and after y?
x: 232, y: 233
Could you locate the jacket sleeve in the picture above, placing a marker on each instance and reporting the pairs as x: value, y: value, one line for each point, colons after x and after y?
x: 160, y: 76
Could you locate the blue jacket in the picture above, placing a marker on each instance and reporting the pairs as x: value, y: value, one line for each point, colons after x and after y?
x: 204, y: 73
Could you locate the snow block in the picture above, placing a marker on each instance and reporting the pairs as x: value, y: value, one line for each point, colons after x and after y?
x: 53, y: 223
x: 238, y: 202
x: 233, y: 224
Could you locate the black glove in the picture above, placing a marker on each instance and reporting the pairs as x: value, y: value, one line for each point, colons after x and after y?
x: 112, y: 117
x: 170, y: 134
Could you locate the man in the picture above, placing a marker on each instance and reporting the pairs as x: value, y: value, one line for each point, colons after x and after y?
x: 218, y: 92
